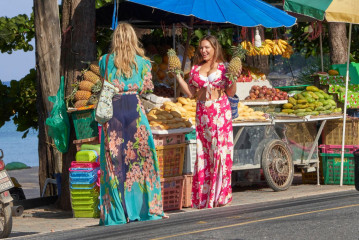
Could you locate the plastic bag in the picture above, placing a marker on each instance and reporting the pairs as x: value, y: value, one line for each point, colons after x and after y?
x: 58, y: 122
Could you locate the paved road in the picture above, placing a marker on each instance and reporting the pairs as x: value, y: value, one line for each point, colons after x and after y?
x: 328, y: 216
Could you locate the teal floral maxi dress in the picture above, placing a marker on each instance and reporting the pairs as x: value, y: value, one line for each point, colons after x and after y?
x: 130, y: 182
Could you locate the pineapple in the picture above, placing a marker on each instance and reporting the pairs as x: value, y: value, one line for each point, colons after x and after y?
x: 174, y: 63
x: 95, y: 68
x: 80, y: 103
x: 86, y: 85
x: 82, y: 95
x: 91, y: 76
x: 235, y: 65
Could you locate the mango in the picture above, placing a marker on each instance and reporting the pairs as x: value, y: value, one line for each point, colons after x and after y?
x: 312, y: 88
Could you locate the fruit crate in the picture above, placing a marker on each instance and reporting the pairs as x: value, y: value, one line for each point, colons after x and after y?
x: 333, y: 131
x: 85, y: 124
x: 168, y: 139
x: 331, y: 168
x: 170, y: 159
x: 338, y: 148
x: 187, y: 190
x: 172, y: 191
x: 191, y: 154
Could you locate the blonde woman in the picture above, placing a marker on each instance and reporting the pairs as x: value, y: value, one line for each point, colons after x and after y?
x: 130, y: 183
x: 211, y: 185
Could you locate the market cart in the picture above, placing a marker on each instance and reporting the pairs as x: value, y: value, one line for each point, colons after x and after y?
x: 278, y: 144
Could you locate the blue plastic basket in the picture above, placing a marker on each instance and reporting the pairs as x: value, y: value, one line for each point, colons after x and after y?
x: 83, y: 180
x: 83, y: 172
x: 82, y: 186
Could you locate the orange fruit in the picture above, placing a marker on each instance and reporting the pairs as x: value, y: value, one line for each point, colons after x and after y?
x: 163, y: 66
x: 161, y: 74
x: 165, y: 59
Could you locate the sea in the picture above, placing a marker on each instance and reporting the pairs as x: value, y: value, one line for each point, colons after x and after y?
x: 16, y: 148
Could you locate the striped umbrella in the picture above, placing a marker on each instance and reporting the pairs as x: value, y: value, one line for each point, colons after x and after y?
x: 345, y: 11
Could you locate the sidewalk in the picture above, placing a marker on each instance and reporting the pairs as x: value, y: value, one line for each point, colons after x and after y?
x: 48, y: 219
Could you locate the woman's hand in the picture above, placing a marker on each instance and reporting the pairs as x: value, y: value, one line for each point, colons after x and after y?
x: 190, y: 92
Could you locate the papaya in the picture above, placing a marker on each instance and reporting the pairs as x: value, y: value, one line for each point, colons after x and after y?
x: 332, y: 102
x: 287, y: 110
x: 320, y: 95
x: 319, y: 108
x: 299, y: 111
x: 310, y: 100
x: 302, y: 114
x: 312, y: 88
x: 315, y: 96
x: 327, y: 107
x: 306, y: 94
x: 326, y: 96
x: 300, y: 101
x: 292, y: 101
x: 318, y: 104
x: 325, y: 112
x: 296, y: 96
x: 314, y: 113
x: 337, y: 110
x: 309, y: 109
x: 312, y: 105
x: 300, y: 96
x: 287, y: 105
x: 331, y: 96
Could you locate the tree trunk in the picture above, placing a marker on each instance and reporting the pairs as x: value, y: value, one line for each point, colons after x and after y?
x: 78, y: 45
x: 338, y: 43
x: 47, y: 39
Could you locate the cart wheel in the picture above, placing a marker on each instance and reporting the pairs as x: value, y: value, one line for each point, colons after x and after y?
x: 277, y: 165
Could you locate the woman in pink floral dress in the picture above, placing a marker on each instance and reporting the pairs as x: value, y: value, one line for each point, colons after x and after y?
x: 208, y: 83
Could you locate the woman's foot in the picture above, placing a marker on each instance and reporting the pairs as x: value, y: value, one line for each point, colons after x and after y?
x: 165, y: 216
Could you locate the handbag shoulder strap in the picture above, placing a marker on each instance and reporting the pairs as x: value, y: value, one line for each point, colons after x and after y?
x: 105, y: 76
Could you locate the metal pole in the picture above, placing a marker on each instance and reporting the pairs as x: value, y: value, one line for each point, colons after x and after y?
x: 345, y: 106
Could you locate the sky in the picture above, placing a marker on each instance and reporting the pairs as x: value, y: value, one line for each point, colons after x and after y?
x: 18, y: 64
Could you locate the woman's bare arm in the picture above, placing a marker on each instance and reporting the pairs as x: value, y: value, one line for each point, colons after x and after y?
x: 232, y: 89
x: 189, y: 91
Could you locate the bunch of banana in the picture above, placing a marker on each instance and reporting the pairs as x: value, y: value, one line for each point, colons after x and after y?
x: 190, y: 51
x: 279, y: 47
x: 288, y: 52
x: 266, y: 48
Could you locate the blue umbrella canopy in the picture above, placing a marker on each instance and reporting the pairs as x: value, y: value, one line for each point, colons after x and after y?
x: 246, y: 13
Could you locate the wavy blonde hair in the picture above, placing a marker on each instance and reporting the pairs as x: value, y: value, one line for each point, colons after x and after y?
x: 218, y: 52
x: 125, y: 46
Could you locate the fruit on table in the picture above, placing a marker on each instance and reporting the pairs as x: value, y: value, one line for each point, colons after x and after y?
x: 265, y: 93
x: 247, y: 113
x: 312, y: 101
x: 172, y: 115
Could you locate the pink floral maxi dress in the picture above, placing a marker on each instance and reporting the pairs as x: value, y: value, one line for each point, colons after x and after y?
x: 213, y: 167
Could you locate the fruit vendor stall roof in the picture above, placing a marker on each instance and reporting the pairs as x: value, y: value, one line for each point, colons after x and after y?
x: 247, y: 13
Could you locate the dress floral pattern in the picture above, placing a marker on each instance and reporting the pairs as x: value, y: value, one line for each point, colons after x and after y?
x: 130, y: 186
x: 213, y: 167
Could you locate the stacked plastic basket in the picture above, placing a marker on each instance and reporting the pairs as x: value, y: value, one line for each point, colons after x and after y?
x: 85, y: 182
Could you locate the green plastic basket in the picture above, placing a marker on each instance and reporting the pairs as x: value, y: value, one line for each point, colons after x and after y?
x: 85, y: 124
x: 331, y: 168
x: 292, y: 88
x: 86, y: 213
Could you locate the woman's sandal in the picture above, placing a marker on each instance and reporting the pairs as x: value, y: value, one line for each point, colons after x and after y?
x: 165, y: 216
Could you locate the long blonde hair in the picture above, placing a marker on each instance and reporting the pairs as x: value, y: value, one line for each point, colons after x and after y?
x: 125, y: 46
x: 218, y: 54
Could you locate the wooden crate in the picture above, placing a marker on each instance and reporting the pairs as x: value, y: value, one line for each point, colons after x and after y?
x: 333, y: 131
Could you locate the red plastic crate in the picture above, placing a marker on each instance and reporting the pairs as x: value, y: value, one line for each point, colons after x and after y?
x: 172, y: 191
x: 338, y: 148
x: 93, y: 165
x: 187, y: 190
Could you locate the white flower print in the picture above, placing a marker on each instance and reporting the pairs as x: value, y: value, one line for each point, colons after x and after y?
x: 228, y: 115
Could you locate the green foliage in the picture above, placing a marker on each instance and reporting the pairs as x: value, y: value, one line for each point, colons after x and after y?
x: 103, y: 41
x: 101, y: 3
x: 16, y: 33
x: 19, y: 101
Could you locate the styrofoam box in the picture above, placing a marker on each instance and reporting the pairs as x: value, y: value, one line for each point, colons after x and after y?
x: 190, y: 159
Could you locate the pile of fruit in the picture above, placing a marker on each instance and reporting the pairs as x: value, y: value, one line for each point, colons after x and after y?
x: 173, y: 115
x: 265, y: 93
x: 274, y: 47
x: 247, y: 113
x: 312, y: 101
x: 86, y: 91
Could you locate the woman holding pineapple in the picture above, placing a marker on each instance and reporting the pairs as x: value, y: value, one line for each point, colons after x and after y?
x: 210, y: 85
x: 130, y: 187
